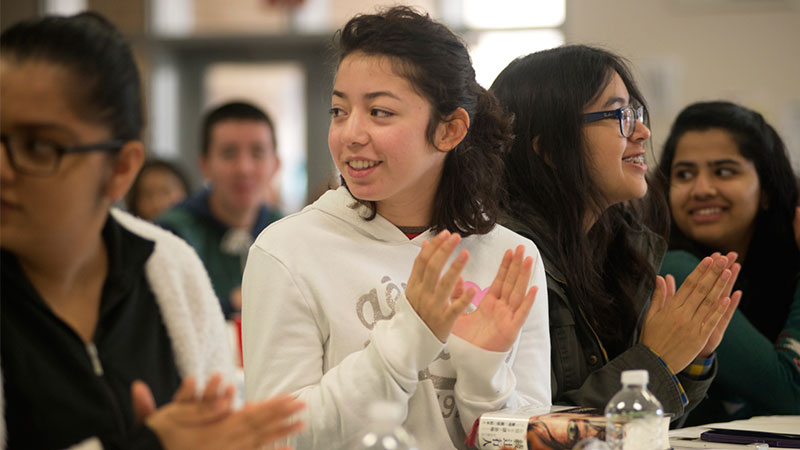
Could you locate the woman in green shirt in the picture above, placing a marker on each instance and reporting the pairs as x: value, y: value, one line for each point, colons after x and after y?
x: 731, y: 188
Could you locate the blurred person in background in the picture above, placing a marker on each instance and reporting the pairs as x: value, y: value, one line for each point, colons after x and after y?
x: 109, y: 327
x: 239, y: 160
x: 732, y: 188
x: 159, y: 186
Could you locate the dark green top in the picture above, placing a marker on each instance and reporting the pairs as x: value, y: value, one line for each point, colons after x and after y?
x: 223, y: 252
x: 755, y: 376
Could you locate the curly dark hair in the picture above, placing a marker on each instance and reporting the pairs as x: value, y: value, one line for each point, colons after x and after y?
x: 436, y: 63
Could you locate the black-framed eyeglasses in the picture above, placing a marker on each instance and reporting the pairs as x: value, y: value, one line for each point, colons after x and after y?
x: 627, y: 115
x: 42, y: 158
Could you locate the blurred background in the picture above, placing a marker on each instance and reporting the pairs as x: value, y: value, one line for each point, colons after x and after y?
x: 195, y: 54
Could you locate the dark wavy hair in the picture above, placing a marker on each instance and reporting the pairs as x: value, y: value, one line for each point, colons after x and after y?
x: 436, y: 63
x: 105, y: 80
x: 551, y: 191
x: 773, y: 238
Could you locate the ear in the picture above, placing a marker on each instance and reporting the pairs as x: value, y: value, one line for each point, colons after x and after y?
x: 124, y: 169
x: 452, y: 130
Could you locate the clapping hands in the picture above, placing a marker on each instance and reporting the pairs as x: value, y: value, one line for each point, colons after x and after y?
x: 681, y: 325
x: 441, y: 300
x: 208, y: 421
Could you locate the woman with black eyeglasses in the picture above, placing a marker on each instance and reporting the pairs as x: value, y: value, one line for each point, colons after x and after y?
x: 109, y: 326
x: 575, y: 178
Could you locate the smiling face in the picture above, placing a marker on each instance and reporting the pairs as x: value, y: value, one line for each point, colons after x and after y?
x: 715, y: 193
x: 377, y: 139
x: 616, y: 162
x: 42, y: 211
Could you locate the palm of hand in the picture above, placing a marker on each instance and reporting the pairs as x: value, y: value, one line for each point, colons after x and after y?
x: 490, y: 327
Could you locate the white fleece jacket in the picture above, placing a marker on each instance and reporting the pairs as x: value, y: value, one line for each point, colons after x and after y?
x: 326, y: 318
x: 189, y: 307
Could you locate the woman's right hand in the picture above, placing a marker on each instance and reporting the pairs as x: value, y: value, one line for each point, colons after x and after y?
x: 208, y: 422
x: 430, y: 293
x: 678, y: 324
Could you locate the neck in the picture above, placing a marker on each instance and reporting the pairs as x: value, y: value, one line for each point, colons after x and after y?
x: 232, y: 217
x: 406, y: 215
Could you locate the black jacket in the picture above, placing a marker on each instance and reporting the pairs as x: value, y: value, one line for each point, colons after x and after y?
x: 582, y: 373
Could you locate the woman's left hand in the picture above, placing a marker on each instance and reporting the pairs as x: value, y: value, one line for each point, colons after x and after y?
x: 722, y: 325
x: 496, y: 323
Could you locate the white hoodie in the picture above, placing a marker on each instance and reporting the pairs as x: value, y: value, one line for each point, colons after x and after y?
x: 326, y: 318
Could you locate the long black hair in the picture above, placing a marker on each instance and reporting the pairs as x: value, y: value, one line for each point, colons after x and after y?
x: 105, y: 81
x: 436, y: 63
x: 772, y: 260
x: 551, y: 190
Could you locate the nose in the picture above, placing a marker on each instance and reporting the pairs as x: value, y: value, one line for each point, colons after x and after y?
x: 641, y: 133
x: 703, y: 186
x: 354, y: 131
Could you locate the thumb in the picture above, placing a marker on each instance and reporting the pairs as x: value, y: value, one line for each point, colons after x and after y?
x: 143, y: 402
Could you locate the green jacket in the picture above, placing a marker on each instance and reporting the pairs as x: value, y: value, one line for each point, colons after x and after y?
x: 223, y: 252
x: 755, y: 376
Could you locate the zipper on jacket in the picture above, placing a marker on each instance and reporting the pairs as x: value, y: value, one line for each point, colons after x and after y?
x: 95, y: 358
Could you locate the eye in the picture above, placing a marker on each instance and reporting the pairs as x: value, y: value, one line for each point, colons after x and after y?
x: 381, y: 114
x: 335, y: 112
x: 38, y: 150
x: 725, y: 172
x: 682, y: 175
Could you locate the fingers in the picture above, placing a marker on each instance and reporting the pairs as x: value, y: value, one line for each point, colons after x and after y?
x: 496, y: 289
x: 691, y: 281
x: 658, y: 298
x: 708, y: 326
x: 264, y: 423
x: 143, y: 402
x: 186, y: 392
x: 447, y: 284
x: 525, y: 307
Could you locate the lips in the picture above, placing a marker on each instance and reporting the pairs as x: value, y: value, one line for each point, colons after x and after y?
x: 706, y: 213
x: 362, y: 164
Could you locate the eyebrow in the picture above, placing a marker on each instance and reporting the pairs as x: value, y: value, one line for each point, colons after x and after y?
x: 369, y: 95
x: 613, y: 100
x: 46, y: 126
x: 718, y: 162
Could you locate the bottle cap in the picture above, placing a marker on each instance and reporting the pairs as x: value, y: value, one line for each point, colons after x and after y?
x: 634, y: 377
x: 386, y: 412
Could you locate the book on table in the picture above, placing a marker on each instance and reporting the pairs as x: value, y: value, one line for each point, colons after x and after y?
x: 539, y: 428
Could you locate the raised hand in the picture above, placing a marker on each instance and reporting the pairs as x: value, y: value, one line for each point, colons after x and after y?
x: 678, y: 325
x: 722, y: 325
x: 502, y: 312
x: 208, y: 422
x: 430, y: 293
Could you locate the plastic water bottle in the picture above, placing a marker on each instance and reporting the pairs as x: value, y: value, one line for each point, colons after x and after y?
x: 385, y: 430
x: 635, y: 417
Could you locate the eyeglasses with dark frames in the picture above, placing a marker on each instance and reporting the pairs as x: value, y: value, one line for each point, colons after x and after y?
x: 627, y: 116
x: 43, y: 158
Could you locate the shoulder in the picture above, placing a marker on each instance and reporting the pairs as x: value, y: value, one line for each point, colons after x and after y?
x: 167, y: 245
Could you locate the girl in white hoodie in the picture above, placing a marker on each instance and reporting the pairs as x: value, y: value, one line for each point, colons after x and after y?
x: 362, y: 295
